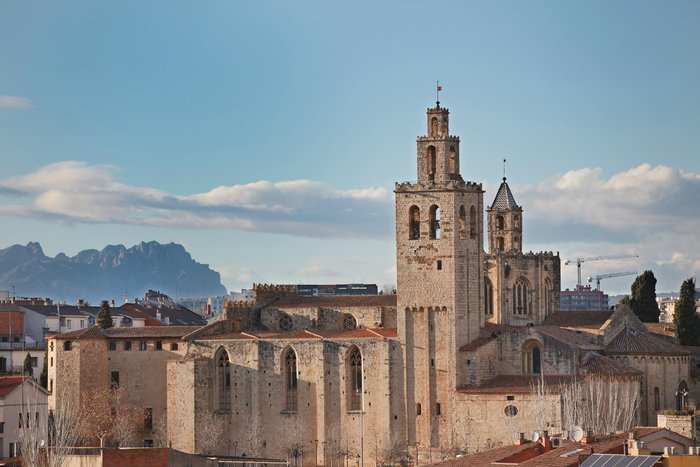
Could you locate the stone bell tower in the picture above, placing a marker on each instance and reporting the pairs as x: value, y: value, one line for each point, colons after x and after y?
x: 505, y: 222
x: 439, y: 256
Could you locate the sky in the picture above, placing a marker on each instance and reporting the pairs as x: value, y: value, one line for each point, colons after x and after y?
x: 266, y: 136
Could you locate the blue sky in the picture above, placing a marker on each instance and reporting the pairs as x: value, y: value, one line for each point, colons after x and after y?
x: 266, y: 136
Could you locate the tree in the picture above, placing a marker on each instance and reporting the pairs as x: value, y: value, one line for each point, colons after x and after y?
x: 104, y: 316
x: 643, y: 298
x: 685, y: 318
x: 27, y: 367
x: 44, y: 377
x: 50, y: 437
x: 107, y: 418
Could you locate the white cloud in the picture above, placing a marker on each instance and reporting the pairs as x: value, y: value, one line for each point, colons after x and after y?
x: 78, y: 192
x: 15, y: 102
x: 651, y: 211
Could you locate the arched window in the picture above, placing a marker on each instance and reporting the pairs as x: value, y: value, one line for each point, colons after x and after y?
x: 657, y: 400
x: 500, y: 222
x: 434, y: 127
x: 349, y: 322
x: 223, y: 380
x: 532, y: 361
x: 414, y: 223
x: 520, y: 298
x: 500, y: 244
x: 472, y: 222
x: 289, y: 362
x: 681, y: 396
x: 431, y: 162
x: 547, y: 297
x: 434, y: 222
x: 488, y: 297
x: 453, y: 160
x: 462, y: 222
x: 419, y: 409
x: 354, y: 379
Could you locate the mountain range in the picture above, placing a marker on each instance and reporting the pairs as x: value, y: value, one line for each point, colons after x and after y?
x: 107, y: 274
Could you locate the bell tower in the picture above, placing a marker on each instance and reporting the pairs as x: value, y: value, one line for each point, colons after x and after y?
x: 505, y: 222
x: 439, y: 262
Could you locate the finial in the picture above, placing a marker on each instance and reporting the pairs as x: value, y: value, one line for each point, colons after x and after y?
x: 438, y: 88
x: 504, y: 170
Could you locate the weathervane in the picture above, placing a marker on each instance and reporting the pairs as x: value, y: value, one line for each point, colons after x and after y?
x: 438, y: 88
x: 504, y: 170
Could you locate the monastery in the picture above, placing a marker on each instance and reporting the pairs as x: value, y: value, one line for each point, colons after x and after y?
x: 470, y: 352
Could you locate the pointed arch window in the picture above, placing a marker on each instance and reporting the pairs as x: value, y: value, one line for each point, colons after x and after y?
x: 500, y: 222
x: 547, y: 297
x: 657, y: 399
x: 223, y: 381
x: 354, y: 379
x: 520, y: 298
x: 462, y: 222
x: 414, y: 223
x: 488, y: 297
x: 434, y: 222
x: 432, y: 156
x: 290, y: 380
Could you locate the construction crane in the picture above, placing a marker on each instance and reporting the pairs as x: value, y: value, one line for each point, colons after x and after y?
x: 578, y: 262
x: 607, y: 276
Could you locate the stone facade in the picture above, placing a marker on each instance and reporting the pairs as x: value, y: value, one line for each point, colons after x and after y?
x: 451, y: 362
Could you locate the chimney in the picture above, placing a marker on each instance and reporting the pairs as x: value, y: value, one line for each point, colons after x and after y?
x: 521, y: 439
x: 546, y: 441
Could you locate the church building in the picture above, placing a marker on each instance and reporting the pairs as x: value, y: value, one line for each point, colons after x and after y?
x: 470, y: 352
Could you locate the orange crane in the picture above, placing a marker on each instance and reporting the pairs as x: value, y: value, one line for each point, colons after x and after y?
x: 578, y: 262
x: 607, y: 276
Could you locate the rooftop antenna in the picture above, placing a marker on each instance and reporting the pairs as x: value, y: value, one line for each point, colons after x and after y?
x: 534, y: 437
x: 438, y: 88
x: 576, y: 433
x: 504, y: 170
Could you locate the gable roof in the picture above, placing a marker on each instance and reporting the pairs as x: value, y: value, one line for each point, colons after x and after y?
x: 504, y: 198
x: 62, y: 310
x: 176, y: 315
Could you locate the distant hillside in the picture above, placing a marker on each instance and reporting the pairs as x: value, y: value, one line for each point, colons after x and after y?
x: 108, y: 274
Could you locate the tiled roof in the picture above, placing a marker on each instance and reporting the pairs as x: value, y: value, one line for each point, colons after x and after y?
x: 335, y: 301
x: 9, y: 384
x: 515, y: 384
x: 664, y: 330
x: 595, y: 363
x: 575, y: 319
x: 374, y: 333
x: 140, y: 332
x: 475, y: 344
x: 504, y: 198
x: 552, y: 458
x: 148, y: 320
x: 632, y: 342
x: 571, y: 337
x: 63, y: 310
x: 177, y: 315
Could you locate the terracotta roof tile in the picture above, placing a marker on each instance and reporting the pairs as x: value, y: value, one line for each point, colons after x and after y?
x: 375, y: 333
x: 595, y: 363
x: 142, y: 332
x: 632, y: 342
x: 577, y: 338
x: 9, y: 384
x: 514, y: 384
x: 574, y: 319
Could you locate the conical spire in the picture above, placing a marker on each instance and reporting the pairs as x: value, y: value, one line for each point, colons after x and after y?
x: 504, y: 198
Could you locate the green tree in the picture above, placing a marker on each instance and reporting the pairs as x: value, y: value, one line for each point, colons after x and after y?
x: 643, y: 298
x: 44, y: 377
x: 104, y: 316
x: 686, y: 319
x: 27, y: 367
